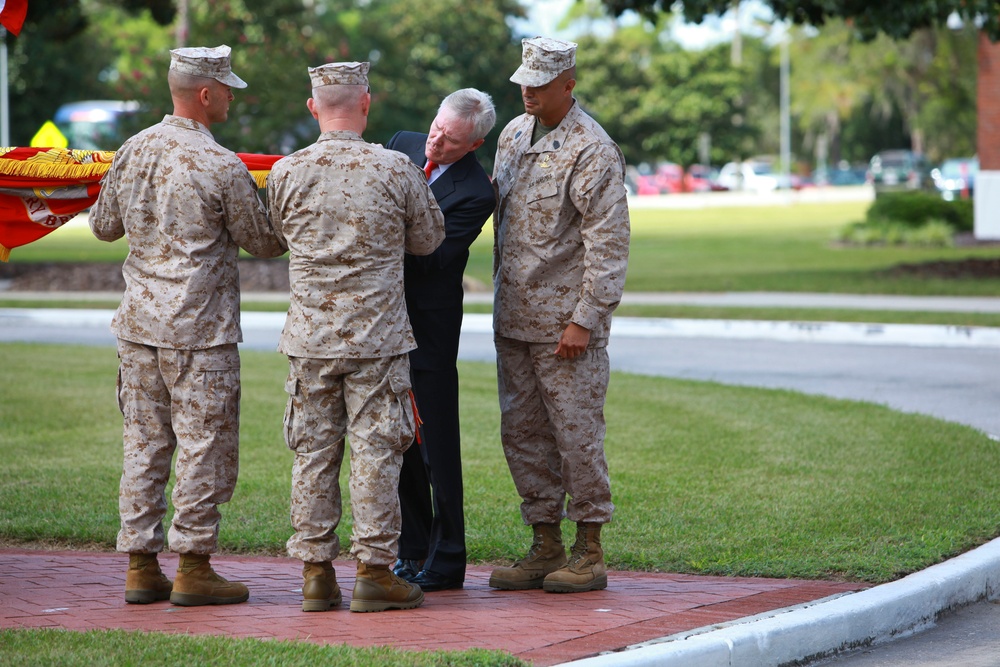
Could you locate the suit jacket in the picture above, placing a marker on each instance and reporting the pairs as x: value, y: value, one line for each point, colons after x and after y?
x: 434, y: 282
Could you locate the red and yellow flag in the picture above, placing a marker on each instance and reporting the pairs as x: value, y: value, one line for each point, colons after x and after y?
x: 12, y: 13
x: 41, y: 189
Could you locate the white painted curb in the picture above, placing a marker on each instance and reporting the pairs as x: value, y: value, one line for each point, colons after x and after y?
x: 918, y: 335
x: 826, y: 627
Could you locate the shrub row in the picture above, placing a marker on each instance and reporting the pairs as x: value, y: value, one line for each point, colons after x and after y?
x: 917, y: 208
x: 910, y: 218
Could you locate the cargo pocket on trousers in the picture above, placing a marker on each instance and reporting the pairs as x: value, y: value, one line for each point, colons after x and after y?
x: 118, y: 391
x: 219, y: 397
x: 399, y: 384
x: 292, y: 407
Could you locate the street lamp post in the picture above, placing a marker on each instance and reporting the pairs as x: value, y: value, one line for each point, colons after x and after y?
x: 786, y: 120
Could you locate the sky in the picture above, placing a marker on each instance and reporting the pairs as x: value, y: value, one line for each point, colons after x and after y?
x: 545, y: 15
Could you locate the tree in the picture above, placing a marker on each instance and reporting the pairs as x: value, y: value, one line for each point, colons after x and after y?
x: 419, y: 56
x: 890, y: 58
x: 926, y: 84
x: 73, y: 50
x: 656, y: 99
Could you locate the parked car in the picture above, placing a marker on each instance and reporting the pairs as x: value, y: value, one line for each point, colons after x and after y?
x: 845, y: 174
x: 646, y: 185
x: 667, y: 178
x: 956, y: 177
x: 96, y: 124
x: 670, y: 178
x: 899, y: 170
x: 753, y: 176
x: 701, y: 178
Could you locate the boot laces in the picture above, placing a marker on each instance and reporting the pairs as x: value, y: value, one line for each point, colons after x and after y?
x: 535, y: 550
x: 579, y: 554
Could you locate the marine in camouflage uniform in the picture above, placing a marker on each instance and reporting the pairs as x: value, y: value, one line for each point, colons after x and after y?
x: 348, y: 210
x: 187, y: 205
x: 561, y: 250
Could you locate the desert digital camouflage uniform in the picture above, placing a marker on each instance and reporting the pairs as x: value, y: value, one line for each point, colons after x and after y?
x: 561, y: 251
x: 347, y: 210
x: 186, y: 205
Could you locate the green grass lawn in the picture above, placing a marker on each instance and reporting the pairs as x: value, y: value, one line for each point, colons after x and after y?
x: 707, y: 478
x: 113, y: 648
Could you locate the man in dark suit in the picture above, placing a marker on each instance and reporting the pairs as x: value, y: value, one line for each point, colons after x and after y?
x: 432, y: 542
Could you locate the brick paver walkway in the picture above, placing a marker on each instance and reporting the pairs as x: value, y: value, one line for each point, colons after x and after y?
x: 85, y: 591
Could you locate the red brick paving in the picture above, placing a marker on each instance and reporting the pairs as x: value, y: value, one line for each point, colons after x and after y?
x: 85, y: 591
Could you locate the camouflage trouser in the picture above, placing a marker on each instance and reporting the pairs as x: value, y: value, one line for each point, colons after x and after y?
x: 368, y: 401
x: 552, y: 429
x: 188, y: 400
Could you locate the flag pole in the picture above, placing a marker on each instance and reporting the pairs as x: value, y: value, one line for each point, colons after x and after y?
x: 4, y: 106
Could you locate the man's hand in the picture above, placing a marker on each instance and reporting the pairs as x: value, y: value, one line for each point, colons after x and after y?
x: 573, y: 341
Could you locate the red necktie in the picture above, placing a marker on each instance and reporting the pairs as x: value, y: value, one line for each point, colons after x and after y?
x: 428, y: 168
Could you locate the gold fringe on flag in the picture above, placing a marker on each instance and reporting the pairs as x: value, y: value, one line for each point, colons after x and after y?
x: 46, y: 169
x: 260, y: 177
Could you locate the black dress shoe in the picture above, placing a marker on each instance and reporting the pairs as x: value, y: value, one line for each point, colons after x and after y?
x: 407, y: 569
x: 432, y: 581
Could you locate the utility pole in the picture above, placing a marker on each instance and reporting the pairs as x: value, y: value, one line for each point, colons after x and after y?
x: 786, y: 120
x: 736, y: 49
x: 181, y: 33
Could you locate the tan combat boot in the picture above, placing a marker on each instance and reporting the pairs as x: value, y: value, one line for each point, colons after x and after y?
x: 585, y: 569
x: 546, y: 555
x: 320, y: 591
x: 376, y: 588
x: 144, y: 581
x: 197, y: 584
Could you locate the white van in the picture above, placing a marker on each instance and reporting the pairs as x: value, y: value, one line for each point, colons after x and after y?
x: 95, y: 125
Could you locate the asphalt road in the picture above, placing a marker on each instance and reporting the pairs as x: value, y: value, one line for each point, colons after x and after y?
x: 946, y: 375
x: 937, y: 371
x: 968, y: 637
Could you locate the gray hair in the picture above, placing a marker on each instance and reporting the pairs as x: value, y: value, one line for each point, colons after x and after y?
x: 476, y: 107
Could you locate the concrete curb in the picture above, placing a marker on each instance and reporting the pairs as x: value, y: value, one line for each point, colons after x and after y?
x: 915, y: 335
x: 809, y: 300
x: 918, y: 335
x: 827, y: 627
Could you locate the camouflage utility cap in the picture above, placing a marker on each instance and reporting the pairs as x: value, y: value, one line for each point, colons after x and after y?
x: 212, y: 63
x: 543, y: 59
x: 344, y: 74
